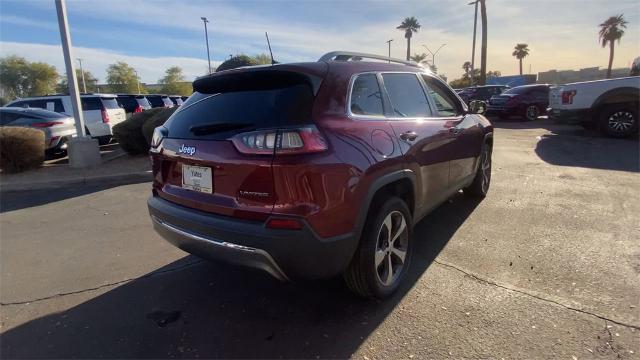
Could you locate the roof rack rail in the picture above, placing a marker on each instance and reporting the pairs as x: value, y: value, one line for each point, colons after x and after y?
x: 355, y: 56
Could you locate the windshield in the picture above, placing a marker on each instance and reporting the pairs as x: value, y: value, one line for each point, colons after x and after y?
x: 290, y: 105
x: 518, y: 90
x: 110, y: 103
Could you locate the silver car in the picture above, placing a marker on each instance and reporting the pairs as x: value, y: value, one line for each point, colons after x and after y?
x: 58, y: 128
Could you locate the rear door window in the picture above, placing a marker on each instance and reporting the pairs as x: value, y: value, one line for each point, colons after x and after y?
x: 366, y: 98
x: 91, y: 103
x: 264, y: 108
x: 408, y: 99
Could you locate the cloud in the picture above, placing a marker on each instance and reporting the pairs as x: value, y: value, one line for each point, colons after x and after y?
x: 150, y: 69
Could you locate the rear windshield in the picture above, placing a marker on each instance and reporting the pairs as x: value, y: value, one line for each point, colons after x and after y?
x: 91, y: 103
x: 264, y: 108
x: 110, y: 103
x: 155, y: 100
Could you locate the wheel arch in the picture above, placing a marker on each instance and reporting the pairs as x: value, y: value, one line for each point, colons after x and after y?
x: 615, y: 96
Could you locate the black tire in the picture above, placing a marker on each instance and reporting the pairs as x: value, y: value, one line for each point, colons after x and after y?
x: 104, y: 140
x: 480, y: 185
x: 531, y: 112
x: 619, y: 120
x: 363, y: 276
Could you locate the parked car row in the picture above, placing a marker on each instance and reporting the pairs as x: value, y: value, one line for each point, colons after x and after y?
x: 100, y: 111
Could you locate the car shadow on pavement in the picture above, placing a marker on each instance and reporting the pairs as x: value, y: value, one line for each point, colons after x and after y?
x: 16, y: 200
x: 192, y: 308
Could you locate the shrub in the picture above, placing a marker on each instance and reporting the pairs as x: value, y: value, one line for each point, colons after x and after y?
x: 156, y: 120
x: 20, y: 148
x: 134, y: 134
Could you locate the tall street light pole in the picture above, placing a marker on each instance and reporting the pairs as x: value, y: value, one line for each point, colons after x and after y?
x: 473, y: 47
x: 84, y: 85
x: 389, y: 43
x: 433, y: 54
x: 206, y: 36
x: 83, y: 150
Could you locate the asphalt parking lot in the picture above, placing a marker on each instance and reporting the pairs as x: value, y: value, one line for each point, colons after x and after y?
x: 547, y: 266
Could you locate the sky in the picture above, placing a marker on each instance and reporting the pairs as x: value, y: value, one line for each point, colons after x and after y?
x: 153, y: 35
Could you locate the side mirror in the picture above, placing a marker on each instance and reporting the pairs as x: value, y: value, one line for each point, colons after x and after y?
x: 477, y: 107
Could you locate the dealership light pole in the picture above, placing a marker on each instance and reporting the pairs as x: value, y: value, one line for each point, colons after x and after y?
x: 206, y: 37
x: 473, y: 48
x: 137, y: 79
x: 433, y: 54
x: 389, y: 43
x: 84, y: 85
x: 83, y: 151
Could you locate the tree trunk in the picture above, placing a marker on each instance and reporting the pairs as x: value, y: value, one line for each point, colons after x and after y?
x: 611, y: 44
x: 408, y: 48
x: 483, y: 54
x: 520, y: 66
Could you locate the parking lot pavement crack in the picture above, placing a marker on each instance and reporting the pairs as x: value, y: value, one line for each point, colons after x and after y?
x: 151, y: 274
x: 535, y: 296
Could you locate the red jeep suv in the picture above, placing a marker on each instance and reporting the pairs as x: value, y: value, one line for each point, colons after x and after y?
x: 310, y: 170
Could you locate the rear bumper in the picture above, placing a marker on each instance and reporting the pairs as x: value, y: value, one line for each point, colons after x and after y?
x: 285, y: 254
x: 574, y: 116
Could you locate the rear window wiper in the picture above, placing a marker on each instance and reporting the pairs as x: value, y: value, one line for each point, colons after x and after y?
x: 217, y: 127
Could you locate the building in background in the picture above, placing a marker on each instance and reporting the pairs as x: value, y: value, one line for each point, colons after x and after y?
x: 586, y: 74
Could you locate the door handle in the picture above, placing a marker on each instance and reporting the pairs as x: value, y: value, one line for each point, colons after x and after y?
x: 409, y: 135
x: 455, y: 131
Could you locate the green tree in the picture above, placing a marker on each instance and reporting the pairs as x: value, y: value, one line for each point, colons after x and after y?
x: 466, y: 67
x: 236, y: 62
x: 122, y: 78
x: 610, y: 31
x: 520, y: 51
x: 21, y: 78
x: 263, y: 59
x: 409, y: 25
x: 174, y: 82
x: 90, y: 81
x: 419, y: 58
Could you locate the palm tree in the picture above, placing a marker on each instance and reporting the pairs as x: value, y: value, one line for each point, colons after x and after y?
x: 467, y: 67
x: 419, y: 58
x: 520, y: 51
x: 483, y: 49
x: 409, y: 25
x: 610, y: 31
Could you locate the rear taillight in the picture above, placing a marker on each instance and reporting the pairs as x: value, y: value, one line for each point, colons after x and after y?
x: 47, y: 124
x: 567, y: 97
x: 138, y: 109
x: 284, y: 141
x: 159, y: 133
x: 105, y: 116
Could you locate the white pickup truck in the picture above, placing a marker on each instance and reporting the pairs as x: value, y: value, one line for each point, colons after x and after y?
x: 610, y: 106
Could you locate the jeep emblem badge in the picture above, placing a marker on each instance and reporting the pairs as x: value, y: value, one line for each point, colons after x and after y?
x: 189, y: 150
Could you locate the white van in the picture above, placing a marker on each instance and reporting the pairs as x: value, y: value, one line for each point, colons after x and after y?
x: 101, y: 111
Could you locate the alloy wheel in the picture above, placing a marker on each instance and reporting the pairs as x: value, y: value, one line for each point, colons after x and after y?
x: 621, y: 121
x: 485, y: 169
x: 532, y: 112
x: 391, y: 248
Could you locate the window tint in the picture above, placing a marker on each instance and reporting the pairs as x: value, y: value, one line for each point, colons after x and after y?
x: 110, y: 103
x: 155, y: 100
x: 366, y: 98
x: 58, y: 107
x: 446, y: 102
x: 264, y: 108
x: 91, y: 103
x: 406, y: 95
x: 128, y: 103
x: 518, y: 90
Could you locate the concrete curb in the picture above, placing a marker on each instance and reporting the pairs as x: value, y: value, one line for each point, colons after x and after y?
x: 111, y: 179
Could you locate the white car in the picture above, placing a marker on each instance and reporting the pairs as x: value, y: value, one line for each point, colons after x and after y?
x: 610, y: 106
x: 101, y: 111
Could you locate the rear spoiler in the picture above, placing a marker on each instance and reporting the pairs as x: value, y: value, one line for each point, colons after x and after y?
x: 254, y: 79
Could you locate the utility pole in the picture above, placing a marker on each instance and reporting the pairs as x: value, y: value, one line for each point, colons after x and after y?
x: 473, y: 47
x: 389, y: 43
x: 206, y: 36
x: 83, y: 150
x: 137, y: 79
x: 84, y: 85
x: 483, y: 47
